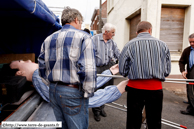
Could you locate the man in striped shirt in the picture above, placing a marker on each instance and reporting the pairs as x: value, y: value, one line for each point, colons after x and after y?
x: 107, y: 54
x: 67, y: 61
x: 145, y: 60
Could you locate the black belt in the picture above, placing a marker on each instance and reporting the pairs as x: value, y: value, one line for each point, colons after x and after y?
x: 70, y: 85
x: 101, y: 66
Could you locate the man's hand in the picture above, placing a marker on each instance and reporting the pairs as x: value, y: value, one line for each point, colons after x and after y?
x: 121, y: 86
x: 184, y: 73
x: 114, y: 69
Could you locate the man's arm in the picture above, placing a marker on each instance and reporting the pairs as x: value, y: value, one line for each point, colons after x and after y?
x: 116, y: 51
x: 40, y: 87
x: 102, y: 80
x: 87, y: 67
x: 124, y: 61
x: 41, y: 62
x: 182, y: 63
x: 107, y: 95
x: 168, y: 62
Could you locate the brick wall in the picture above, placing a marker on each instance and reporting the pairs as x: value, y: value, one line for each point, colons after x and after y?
x: 103, y: 15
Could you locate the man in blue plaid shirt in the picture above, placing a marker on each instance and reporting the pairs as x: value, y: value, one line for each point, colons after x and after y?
x: 67, y: 62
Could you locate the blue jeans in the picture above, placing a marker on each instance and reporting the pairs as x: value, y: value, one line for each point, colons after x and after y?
x: 69, y: 106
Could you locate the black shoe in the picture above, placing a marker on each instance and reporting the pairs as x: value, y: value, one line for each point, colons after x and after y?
x: 186, y: 102
x: 97, y: 116
x: 103, y: 113
x: 186, y: 112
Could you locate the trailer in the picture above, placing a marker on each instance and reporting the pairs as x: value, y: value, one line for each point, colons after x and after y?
x: 24, y: 25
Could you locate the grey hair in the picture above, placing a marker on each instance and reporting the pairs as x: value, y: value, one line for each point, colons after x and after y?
x: 69, y: 15
x: 191, y: 36
x: 108, y: 27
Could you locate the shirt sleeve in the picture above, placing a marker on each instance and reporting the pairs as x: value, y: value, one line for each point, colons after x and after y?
x: 102, y: 80
x: 168, y: 62
x: 116, y: 51
x: 124, y: 61
x: 87, y: 67
x: 102, y: 96
x: 40, y: 87
x: 41, y: 62
x: 183, y: 61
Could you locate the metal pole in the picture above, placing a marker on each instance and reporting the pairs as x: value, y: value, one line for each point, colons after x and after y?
x: 113, y: 76
x: 190, y: 83
x: 173, y: 79
x: 116, y: 107
x: 99, y: 25
x: 174, y: 123
x: 119, y: 105
x: 167, y: 79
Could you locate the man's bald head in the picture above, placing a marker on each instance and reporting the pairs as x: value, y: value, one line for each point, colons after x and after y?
x: 143, y: 26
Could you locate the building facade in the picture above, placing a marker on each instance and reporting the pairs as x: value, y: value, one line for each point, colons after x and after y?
x: 171, y: 20
x: 95, y: 17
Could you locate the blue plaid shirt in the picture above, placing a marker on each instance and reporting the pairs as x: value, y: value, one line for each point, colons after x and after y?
x: 68, y: 56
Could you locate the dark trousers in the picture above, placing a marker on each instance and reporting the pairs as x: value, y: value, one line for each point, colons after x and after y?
x: 190, y: 107
x: 190, y: 93
x: 136, y: 100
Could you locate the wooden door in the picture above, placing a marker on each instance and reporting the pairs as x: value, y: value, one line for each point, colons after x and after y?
x: 133, y: 26
x: 171, y: 28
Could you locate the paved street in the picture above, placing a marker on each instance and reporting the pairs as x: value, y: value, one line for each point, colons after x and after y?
x: 172, y: 104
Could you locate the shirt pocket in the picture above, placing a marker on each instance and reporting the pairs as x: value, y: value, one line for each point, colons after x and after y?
x: 110, y: 54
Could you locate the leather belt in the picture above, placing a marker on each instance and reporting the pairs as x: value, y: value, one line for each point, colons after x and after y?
x: 70, y: 85
x: 101, y: 66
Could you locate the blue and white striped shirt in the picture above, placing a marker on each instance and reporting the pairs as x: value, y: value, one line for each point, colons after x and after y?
x: 145, y: 57
x: 105, y: 51
x: 191, y: 58
x: 68, y: 56
x: 102, y: 96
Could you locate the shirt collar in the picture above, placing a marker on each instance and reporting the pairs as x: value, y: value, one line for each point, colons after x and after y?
x: 67, y: 26
x: 144, y: 34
